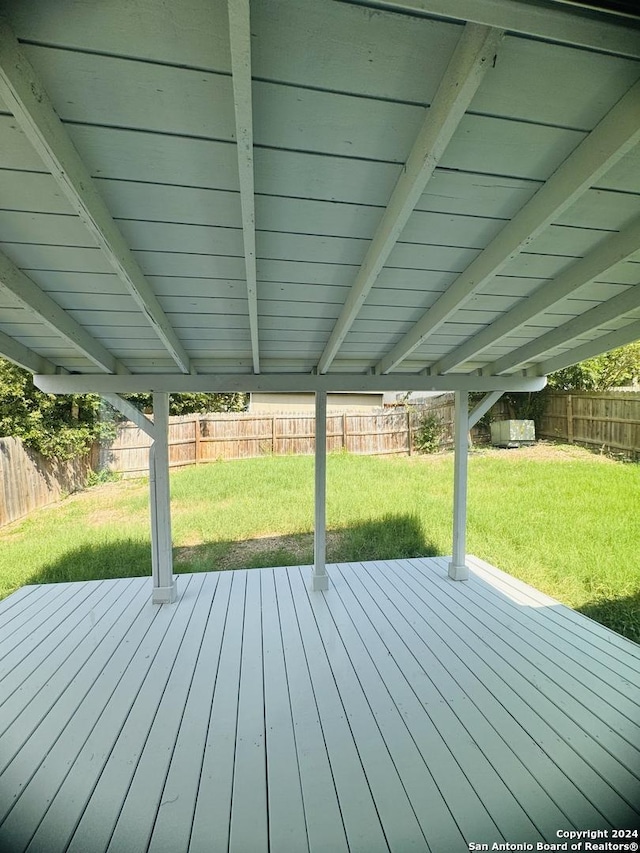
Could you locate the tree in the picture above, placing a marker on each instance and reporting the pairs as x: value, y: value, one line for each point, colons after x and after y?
x: 619, y: 367
x: 61, y: 426
x: 67, y: 425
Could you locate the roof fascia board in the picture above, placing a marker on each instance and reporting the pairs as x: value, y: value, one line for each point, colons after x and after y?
x: 466, y: 69
x: 281, y: 382
x: 612, y: 251
x: 42, y: 306
x: 23, y: 356
x: 585, y: 323
x: 27, y: 99
x: 613, y: 137
x: 627, y: 335
x: 240, y: 41
x: 573, y: 28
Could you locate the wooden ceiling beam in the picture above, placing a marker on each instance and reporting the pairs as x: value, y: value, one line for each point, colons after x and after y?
x: 613, y: 137
x: 586, y: 323
x: 621, y: 337
x: 290, y: 382
x: 46, y: 309
x: 23, y: 356
x: 606, y: 32
x: 27, y: 99
x: 472, y: 57
x: 612, y: 251
x: 240, y: 39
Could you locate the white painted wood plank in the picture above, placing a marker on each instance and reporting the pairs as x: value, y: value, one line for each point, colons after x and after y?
x: 359, y: 812
x: 133, y: 705
x: 576, y: 752
x: 379, y: 760
x: 607, y: 666
x: 88, y: 88
x: 19, y: 638
x: 493, y: 775
x: 50, y: 660
x: 212, y: 814
x: 80, y: 706
x: 323, y: 811
x: 600, y: 637
x: 554, y: 676
x: 287, y: 825
x: 426, y: 636
x: 142, y: 801
x: 199, y: 38
x: 398, y: 714
x: 172, y: 827
x: 28, y: 601
x: 249, y: 829
x: 493, y: 731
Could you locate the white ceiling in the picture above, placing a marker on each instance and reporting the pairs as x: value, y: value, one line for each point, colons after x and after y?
x: 410, y: 193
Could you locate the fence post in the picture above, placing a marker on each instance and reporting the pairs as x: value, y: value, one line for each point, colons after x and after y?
x: 344, y: 430
x: 569, y: 419
x: 409, y: 433
x: 273, y: 434
x: 197, y: 450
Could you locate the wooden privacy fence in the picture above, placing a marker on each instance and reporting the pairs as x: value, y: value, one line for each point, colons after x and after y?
x: 609, y: 421
x: 29, y: 481
x: 207, y: 438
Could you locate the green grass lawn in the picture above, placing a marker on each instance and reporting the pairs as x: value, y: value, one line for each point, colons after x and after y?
x: 559, y: 518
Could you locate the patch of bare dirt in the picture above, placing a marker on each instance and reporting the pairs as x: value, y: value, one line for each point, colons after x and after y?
x: 297, y: 544
x: 547, y: 451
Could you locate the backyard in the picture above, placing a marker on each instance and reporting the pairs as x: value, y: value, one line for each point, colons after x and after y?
x: 558, y: 517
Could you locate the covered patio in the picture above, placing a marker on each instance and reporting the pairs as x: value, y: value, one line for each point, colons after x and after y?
x: 315, y: 196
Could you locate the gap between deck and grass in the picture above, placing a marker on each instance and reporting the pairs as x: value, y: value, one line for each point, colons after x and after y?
x: 557, y: 517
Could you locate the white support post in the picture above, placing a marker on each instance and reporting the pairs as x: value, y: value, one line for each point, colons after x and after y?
x: 165, y: 589
x: 320, y: 576
x: 458, y: 569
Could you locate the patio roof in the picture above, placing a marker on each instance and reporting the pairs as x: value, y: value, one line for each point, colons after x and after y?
x: 432, y: 190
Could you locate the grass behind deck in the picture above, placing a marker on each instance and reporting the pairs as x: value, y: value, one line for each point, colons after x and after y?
x: 558, y: 518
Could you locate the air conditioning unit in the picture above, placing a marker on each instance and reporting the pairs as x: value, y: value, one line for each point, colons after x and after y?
x: 513, y: 433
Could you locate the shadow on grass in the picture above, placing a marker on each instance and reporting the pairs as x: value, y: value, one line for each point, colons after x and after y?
x: 619, y: 614
x: 391, y: 537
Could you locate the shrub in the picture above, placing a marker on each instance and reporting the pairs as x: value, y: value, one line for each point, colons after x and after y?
x: 427, y: 437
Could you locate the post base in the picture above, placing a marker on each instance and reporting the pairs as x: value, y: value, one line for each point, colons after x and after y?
x: 165, y: 594
x: 458, y: 573
x: 320, y: 583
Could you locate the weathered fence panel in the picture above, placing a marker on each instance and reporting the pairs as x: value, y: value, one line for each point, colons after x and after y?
x: 609, y: 421
x: 29, y: 480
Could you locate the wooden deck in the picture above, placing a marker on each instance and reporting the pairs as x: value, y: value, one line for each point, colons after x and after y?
x: 400, y: 711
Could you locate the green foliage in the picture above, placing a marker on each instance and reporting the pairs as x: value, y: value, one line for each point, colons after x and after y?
x: 619, y: 367
x: 62, y: 427
x: 99, y: 478
x: 427, y: 437
x: 66, y: 426
x: 188, y: 404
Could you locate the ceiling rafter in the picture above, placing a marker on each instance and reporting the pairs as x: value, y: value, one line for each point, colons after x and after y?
x: 240, y: 40
x: 46, y: 309
x: 614, y: 34
x: 612, y: 251
x: 585, y: 323
x: 23, y: 356
x: 627, y: 335
x: 27, y: 99
x: 614, y: 136
x: 471, y: 59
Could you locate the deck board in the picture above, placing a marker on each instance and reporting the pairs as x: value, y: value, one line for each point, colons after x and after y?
x: 399, y: 711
